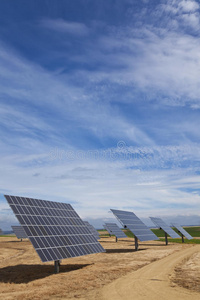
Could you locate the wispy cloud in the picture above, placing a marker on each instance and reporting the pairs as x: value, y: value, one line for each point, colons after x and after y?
x: 63, y: 26
x: 33, y: 89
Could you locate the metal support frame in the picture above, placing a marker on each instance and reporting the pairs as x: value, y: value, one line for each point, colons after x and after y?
x: 166, y: 239
x: 182, y: 238
x: 136, y: 243
x: 56, y: 266
x: 116, y: 239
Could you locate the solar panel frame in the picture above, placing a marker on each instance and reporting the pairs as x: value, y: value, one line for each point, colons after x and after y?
x: 130, y: 220
x: 93, y: 230
x: 161, y: 224
x: 114, y: 229
x: 19, y: 232
x: 55, y: 229
x: 182, y: 231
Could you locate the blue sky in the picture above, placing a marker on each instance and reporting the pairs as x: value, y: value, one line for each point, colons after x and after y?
x: 100, y: 106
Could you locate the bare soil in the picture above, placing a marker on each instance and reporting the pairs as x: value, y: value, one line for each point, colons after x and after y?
x: 187, y: 273
x: 24, y: 276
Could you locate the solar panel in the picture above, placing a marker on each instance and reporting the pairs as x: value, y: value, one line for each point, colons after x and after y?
x: 161, y: 224
x: 135, y: 225
x: 110, y: 233
x: 112, y: 228
x: 93, y: 230
x: 19, y: 232
x: 55, y: 229
x: 182, y: 231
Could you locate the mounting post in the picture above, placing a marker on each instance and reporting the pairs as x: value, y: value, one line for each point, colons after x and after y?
x: 136, y: 243
x: 166, y: 240
x: 182, y: 238
x: 116, y: 239
x: 56, y: 266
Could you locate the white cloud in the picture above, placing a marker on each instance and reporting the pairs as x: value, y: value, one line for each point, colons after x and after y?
x: 188, y: 6
x: 94, y: 186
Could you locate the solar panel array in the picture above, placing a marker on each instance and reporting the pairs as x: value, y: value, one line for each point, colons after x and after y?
x: 93, y: 230
x: 161, y: 224
x: 55, y: 229
x: 183, y: 231
x: 112, y: 228
x: 134, y: 224
x: 19, y: 232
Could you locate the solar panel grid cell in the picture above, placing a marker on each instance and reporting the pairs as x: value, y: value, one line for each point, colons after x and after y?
x: 55, y: 229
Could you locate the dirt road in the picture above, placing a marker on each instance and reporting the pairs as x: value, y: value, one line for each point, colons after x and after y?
x: 151, y: 281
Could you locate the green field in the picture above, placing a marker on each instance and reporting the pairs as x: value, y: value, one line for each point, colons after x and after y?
x: 193, y: 241
x: 194, y: 231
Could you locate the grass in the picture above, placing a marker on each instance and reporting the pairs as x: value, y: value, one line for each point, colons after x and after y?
x: 194, y: 231
x: 186, y: 241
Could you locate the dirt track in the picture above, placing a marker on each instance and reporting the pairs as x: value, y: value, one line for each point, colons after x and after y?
x: 151, y: 282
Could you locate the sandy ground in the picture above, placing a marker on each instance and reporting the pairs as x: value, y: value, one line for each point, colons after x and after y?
x: 111, y: 275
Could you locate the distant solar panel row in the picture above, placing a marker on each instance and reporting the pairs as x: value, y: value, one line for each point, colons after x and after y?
x: 107, y: 229
x: 55, y: 229
x: 92, y: 229
x: 132, y: 222
x: 183, y: 231
x: 19, y: 232
x: 112, y: 228
x: 161, y: 224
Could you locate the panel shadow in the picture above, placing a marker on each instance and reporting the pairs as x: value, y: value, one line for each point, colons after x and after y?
x: 27, y: 273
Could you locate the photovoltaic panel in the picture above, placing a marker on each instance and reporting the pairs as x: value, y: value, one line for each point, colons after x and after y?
x: 112, y: 228
x: 93, y: 230
x: 55, y: 229
x: 182, y: 231
x: 107, y: 230
x: 19, y: 232
x: 135, y: 225
x: 161, y: 224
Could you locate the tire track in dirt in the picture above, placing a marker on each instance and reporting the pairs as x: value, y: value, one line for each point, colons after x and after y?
x: 151, y: 282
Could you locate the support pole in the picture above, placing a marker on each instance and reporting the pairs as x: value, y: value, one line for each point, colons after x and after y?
x: 136, y: 243
x: 56, y: 266
x: 116, y: 239
x: 166, y: 240
x: 182, y: 238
